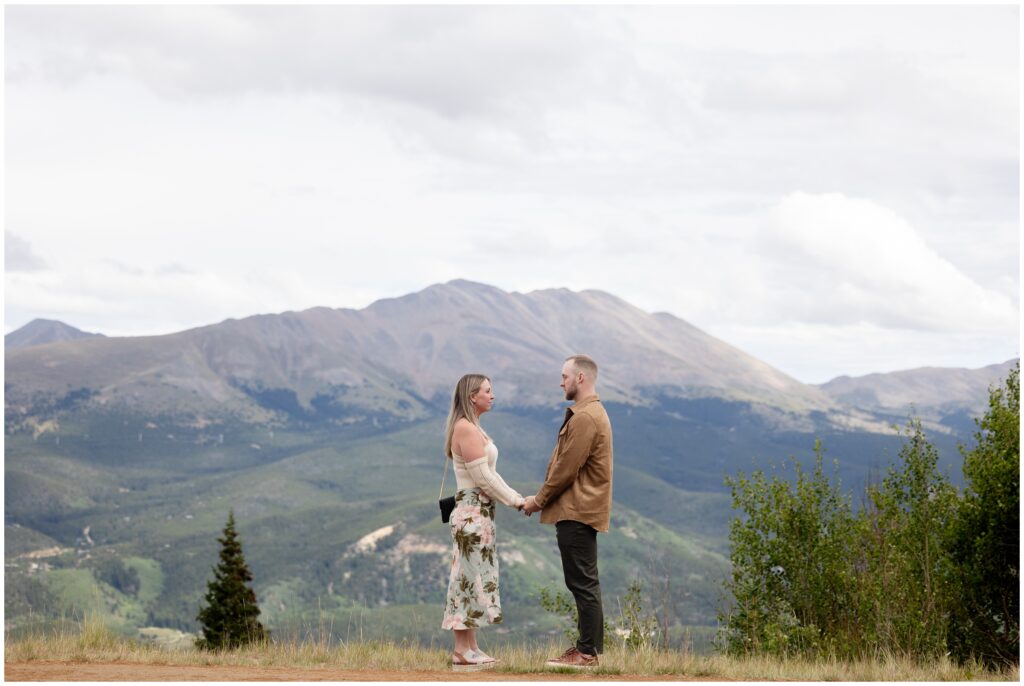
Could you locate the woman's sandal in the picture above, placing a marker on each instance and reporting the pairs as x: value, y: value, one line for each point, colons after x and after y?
x: 484, y: 656
x: 471, y: 662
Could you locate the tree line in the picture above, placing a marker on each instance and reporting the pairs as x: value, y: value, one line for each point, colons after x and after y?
x: 920, y: 568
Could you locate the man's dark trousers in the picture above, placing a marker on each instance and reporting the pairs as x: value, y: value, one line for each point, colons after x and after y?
x: 577, y: 542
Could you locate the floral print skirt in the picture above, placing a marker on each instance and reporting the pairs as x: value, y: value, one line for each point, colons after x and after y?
x: 473, y: 598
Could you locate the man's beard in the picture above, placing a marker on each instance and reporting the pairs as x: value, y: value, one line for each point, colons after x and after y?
x: 570, y: 393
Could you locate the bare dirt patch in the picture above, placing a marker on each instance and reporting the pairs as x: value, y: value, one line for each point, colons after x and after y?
x: 119, y: 671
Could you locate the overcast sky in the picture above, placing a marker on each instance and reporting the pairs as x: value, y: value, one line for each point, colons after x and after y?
x: 834, y: 190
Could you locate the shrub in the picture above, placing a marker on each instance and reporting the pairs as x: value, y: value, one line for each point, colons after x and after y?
x: 903, y: 570
x: 985, y: 543
x: 919, y: 571
x: 789, y: 563
x: 638, y: 628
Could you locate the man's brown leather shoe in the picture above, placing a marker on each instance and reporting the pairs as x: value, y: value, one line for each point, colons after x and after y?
x: 573, y: 659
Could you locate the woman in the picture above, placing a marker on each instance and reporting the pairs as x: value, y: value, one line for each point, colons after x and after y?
x: 473, y: 586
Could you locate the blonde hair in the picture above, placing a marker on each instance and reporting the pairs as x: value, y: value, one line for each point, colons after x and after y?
x: 585, y: 364
x: 462, y: 406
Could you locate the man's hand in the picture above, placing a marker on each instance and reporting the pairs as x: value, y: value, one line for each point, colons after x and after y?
x: 530, y: 506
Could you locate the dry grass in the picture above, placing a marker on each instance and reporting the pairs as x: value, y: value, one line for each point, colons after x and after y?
x: 621, y: 661
x: 92, y: 641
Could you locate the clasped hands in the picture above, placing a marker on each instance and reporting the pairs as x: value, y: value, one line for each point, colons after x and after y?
x: 529, y: 506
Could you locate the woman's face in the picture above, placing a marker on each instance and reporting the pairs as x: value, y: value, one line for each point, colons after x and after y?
x: 483, y: 399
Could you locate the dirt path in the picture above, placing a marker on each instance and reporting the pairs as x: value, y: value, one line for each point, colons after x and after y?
x: 112, y: 671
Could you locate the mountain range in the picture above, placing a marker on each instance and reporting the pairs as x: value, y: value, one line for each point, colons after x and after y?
x: 401, y: 355
x: 321, y: 430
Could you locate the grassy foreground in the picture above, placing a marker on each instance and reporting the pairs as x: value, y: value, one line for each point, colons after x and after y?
x: 94, y: 642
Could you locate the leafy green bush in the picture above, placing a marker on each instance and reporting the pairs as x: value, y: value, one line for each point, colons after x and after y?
x: 919, y: 570
x: 985, y: 543
x: 640, y: 630
x: 902, y: 570
x: 789, y: 563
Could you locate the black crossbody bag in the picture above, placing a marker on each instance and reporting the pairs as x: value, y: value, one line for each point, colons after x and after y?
x: 446, y: 504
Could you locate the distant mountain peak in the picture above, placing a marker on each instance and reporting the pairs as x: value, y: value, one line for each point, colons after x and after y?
x: 42, y: 331
x: 474, y: 285
x: 924, y: 389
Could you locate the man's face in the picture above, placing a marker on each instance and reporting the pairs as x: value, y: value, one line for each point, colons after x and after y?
x: 569, y: 384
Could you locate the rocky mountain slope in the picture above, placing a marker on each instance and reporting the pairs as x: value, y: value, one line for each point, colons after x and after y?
x: 42, y: 331
x: 399, y: 356
x: 932, y: 390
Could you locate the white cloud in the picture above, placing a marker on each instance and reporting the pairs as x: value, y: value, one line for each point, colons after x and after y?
x: 484, y: 65
x: 844, y: 261
x: 115, y: 299
x: 248, y: 159
x: 19, y: 256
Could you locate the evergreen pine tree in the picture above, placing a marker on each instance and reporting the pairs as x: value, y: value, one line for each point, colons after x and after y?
x: 230, y: 619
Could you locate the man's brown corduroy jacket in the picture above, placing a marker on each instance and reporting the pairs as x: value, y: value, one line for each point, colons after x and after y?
x: 578, y: 484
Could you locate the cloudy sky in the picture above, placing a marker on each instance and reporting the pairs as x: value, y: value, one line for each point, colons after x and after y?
x: 834, y: 190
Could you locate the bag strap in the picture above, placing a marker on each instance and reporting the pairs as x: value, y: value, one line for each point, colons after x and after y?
x: 446, y: 461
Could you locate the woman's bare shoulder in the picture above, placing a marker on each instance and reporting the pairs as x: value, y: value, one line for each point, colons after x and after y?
x: 464, y: 426
x: 468, y: 439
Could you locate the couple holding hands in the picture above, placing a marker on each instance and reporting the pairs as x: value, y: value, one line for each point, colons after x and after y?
x: 576, y: 497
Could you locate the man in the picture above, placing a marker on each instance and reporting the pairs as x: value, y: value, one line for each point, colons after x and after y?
x: 577, y: 498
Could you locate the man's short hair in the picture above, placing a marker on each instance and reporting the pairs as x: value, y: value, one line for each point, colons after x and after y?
x: 585, y: 364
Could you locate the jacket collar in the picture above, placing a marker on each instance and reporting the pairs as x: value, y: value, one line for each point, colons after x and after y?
x: 583, y: 402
